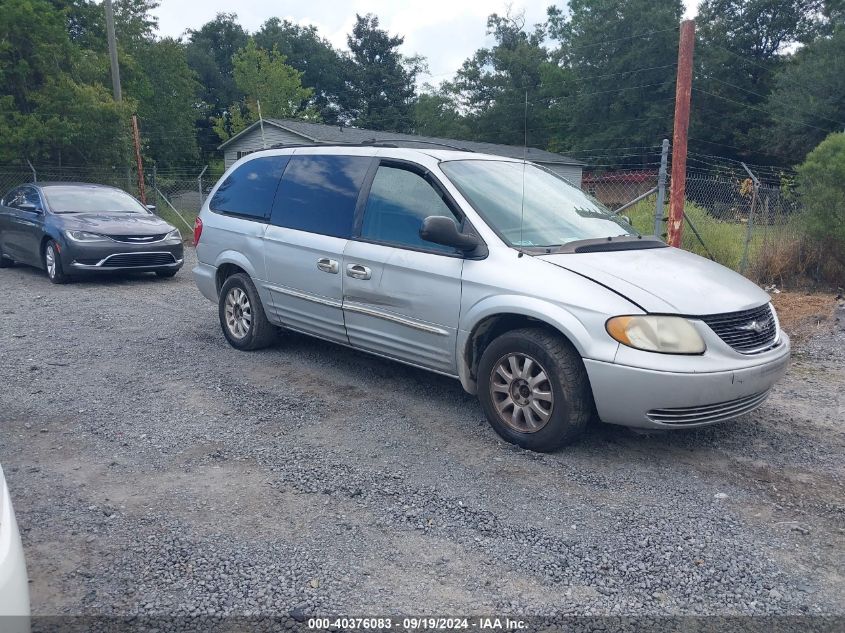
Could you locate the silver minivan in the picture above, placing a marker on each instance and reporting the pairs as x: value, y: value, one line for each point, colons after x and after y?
x: 495, y: 271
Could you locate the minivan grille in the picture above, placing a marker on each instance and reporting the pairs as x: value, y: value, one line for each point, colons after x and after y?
x: 128, y: 260
x: 748, y: 331
x: 710, y: 413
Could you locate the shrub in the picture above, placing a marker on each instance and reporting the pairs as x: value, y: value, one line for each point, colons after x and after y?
x: 821, y: 183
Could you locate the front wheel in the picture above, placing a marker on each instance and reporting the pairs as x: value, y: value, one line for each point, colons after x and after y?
x: 53, y: 264
x: 166, y: 274
x: 242, y: 316
x: 534, y: 389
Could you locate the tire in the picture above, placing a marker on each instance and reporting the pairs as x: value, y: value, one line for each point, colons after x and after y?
x: 5, y: 262
x: 564, y: 407
x: 239, y: 295
x: 166, y: 274
x: 53, y: 264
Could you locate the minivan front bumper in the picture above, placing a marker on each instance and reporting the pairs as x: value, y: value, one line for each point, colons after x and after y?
x: 650, y: 399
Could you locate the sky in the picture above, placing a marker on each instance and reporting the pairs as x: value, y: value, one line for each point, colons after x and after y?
x: 445, y: 32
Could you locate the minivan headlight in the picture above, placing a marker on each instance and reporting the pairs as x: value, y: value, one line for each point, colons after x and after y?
x: 652, y: 333
x: 85, y: 236
x: 174, y: 235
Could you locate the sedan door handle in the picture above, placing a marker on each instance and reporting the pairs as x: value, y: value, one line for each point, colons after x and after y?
x: 358, y: 271
x: 327, y: 265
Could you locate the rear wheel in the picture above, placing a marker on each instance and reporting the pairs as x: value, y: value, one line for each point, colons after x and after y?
x: 53, y: 263
x: 534, y: 389
x: 242, y: 316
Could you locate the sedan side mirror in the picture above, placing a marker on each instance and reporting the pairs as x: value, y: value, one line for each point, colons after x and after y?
x: 442, y: 230
x: 28, y: 206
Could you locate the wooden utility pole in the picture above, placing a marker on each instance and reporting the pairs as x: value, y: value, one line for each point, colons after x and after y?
x: 136, y: 137
x: 683, y: 92
x: 115, y: 69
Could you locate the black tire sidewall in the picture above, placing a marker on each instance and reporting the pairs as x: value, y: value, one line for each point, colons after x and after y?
x: 561, y: 428
x: 253, y: 339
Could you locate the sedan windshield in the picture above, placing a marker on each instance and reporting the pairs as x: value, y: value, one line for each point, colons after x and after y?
x: 531, y: 207
x: 76, y: 199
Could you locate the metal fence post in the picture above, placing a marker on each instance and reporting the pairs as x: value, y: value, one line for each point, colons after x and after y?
x: 199, y: 184
x: 34, y: 173
x: 750, y: 226
x: 661, y: 188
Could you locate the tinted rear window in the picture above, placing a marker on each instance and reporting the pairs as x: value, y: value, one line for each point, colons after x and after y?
x: 249, y: 190
x: 318, y: 194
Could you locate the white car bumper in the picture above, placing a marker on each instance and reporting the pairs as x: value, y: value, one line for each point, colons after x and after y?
x: 14, y: 587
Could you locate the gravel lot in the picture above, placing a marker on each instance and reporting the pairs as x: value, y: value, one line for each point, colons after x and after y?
x: 155, y: 470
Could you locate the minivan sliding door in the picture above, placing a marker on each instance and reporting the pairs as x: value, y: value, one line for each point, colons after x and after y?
x: 312, y: 218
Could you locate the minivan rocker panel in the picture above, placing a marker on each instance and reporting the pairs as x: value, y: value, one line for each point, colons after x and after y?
x: 529, y: 325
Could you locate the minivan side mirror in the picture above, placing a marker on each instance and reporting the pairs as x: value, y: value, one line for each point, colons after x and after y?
x: 442, y: 230
x: 151, y: 208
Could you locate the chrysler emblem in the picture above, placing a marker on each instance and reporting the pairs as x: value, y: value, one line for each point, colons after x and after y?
x: 754, y: 326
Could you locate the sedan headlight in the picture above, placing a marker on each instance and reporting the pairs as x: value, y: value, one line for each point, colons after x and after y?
x: 85, y: 236
x: 174, y: 235
x: 664, y: 334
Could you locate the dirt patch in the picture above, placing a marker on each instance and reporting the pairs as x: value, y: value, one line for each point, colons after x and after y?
x: 803, y: 314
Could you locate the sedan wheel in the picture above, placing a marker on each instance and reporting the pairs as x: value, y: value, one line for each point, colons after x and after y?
x: 53, y: 264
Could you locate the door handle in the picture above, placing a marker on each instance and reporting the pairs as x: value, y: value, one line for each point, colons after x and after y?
x: 358, y: 271
x: 327, y: 265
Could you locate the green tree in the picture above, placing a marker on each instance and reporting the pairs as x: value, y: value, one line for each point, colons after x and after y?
x: 383, y: 81
x: 266, y: 80
x: 493, y: 85
x: 808, y: 97
x: 615, y: 69
x: 53, y: 108
x: 821, y: 182
x: 741, y: 45
x: 323, y: 67
x: 436, y: 113
x: 210, y: 50
x: 167, y: 103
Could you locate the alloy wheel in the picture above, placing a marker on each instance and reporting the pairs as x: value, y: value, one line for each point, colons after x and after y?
x: 521, y: 392
x: 50, y: 260
x: 238, y: 313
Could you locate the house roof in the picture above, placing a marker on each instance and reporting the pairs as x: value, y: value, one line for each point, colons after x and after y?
x: 321, y: 133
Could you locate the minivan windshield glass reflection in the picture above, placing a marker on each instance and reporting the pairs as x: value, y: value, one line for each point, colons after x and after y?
x: 91, y: 200
x: 552, y: 213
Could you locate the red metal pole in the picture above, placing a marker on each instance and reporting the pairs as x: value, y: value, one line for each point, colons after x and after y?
x: 136, y: 137
x: 683, y: 92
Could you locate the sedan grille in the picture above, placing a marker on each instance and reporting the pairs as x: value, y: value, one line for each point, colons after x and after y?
x: 748, y: 331
x: 130, y: 260
x: 710, y: 413
x: 138, y: 239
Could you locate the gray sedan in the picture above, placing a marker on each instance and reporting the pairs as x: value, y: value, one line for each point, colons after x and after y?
x: 71, y: 229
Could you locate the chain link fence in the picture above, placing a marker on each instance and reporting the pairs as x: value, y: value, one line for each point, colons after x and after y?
x: 748, y: 221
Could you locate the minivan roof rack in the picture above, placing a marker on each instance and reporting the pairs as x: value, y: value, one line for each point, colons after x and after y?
x: 371, y: 143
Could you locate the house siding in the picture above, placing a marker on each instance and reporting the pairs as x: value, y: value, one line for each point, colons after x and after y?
x: 251, y: 141
x: 571, y: 172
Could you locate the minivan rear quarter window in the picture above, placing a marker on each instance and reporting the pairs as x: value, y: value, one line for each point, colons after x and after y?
x: 319, y: 193
x: 249, y: 190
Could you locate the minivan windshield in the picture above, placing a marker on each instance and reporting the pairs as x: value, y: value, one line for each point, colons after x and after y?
x: 551, y: 213
x: 82, y: 199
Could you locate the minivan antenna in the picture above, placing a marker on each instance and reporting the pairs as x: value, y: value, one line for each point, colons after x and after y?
x: 524, y: 156
x: 261, y: 123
